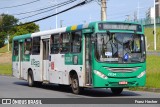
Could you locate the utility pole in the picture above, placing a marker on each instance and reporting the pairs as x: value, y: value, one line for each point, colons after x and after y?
x: 8, y: 42
x: 103, y: 10
x: 138, y: 10
x: 61, y: 23
x: 155, y: 25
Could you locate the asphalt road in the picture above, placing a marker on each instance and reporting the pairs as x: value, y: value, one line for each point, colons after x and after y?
x: 11, y: 87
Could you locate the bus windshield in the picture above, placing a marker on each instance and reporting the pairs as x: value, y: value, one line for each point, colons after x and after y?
x: 120, y: 47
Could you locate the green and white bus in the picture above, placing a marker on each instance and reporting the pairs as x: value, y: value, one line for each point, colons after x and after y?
x: 96, y: 55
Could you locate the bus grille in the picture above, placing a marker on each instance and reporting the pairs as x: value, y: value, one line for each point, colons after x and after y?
x: 122, y: 69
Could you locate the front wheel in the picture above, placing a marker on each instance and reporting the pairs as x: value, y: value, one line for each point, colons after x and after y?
x: 75, y: 84
x: 116, y: 91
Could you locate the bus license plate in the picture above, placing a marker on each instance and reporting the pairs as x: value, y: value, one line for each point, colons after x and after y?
x: 123, y: 82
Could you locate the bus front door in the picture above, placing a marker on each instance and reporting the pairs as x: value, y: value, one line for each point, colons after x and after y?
x: 45, y: 71
x: 88, y: 48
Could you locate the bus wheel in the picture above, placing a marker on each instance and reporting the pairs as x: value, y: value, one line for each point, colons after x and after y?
x: 30, y: 79
x: 75, y: 84
x: 116, y: 91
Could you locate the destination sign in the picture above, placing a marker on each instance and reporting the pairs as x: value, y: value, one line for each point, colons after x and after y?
x: 119, y: 26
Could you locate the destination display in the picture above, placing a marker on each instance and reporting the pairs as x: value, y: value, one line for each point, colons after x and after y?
x: 119, y: 26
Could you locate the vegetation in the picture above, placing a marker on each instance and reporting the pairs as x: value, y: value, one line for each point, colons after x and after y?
x: 5, y: 48
x: 6, y: 69
x: 6, y: 21
x: 153, y: 72
x: 7, y: 27
x: 150, y: 38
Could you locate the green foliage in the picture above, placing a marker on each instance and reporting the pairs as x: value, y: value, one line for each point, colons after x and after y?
x: 6, y: 23
x: 7, y: 27
x: 153, y: 73
x: 25, y: 29
x: 150, y: 38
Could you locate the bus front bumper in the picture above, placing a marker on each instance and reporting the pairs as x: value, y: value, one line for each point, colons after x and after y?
x: 119, y: 82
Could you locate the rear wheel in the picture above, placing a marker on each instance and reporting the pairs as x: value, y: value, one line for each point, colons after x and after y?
x: 30, y: 79
x: 75, y: 84
x: 116, y: 91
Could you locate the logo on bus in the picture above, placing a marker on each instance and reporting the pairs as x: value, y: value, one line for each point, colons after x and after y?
x: 34, y: 62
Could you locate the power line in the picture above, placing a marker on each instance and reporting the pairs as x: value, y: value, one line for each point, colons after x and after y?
x: 20, y: 4
x: 42, y: 8
x: 79, y: 4
x: 60, y: 5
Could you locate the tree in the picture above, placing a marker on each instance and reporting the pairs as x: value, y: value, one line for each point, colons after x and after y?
x: 24, y: 29
x: 7, y: 27
x: 6, y: 23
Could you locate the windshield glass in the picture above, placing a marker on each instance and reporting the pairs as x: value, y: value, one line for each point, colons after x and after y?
x: 120, y: 47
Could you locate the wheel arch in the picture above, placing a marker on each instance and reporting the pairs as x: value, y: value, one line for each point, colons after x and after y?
x: 71, y: 73
x: 29, y: 71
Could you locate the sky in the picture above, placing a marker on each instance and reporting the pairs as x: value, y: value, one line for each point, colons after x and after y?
x: 117, y: 10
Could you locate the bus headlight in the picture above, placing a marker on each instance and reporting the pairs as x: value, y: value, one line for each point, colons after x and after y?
x: 100, y: 74
x: 141, y: 74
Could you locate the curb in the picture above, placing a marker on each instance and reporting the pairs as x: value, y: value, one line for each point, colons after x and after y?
x: 150, y: 89
x: 157, y: 90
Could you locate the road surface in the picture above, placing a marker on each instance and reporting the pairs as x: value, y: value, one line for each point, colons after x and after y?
x: 11, y: 87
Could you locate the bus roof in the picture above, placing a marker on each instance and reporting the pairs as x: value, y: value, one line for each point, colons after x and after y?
x: 22, y: 36
x: 69, y: 28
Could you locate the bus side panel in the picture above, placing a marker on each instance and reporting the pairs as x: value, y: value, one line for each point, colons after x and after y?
x: 53, y: 74
x: 15, y: 70
x: 58, y: 69
x: 59, y: 72
x: 26, y: 66
x: 36, y: 69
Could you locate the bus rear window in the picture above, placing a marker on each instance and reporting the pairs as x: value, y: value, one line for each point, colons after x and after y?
x: 15, y: 49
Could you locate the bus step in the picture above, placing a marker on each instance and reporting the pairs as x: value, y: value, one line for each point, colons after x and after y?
x: 45, y: 82
x: 88, y: 84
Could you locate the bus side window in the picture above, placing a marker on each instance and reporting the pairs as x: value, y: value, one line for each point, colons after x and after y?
x: 36, y: 46
x: 76, y: 42
x: 65, y: 45
x: 16, y: 48
x: 55, y: 43
x: 28, y: 46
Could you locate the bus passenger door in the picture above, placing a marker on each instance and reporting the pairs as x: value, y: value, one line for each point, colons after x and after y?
x: 88, y: 52
x: 45, y: 71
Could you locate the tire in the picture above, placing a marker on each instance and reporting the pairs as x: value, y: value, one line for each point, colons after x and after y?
x: 75, y: 84
x: 116, y: 91
x: 30, y: 79
x: 37, y: 83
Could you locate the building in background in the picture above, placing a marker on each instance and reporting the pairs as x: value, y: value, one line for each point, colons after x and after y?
x: 157, y: 8
x: 150, y: 11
